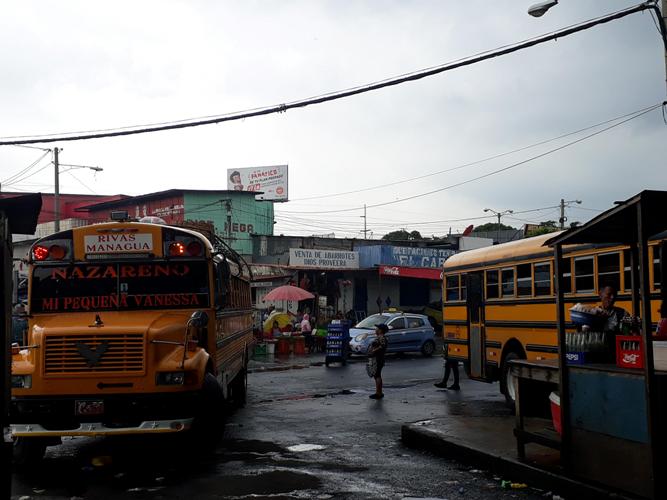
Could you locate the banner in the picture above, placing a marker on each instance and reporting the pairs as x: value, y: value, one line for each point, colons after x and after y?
x: 271, y: 181
x: 323, y: 259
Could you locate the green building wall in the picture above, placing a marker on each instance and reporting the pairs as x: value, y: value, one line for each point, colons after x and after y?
x: 248, y: 216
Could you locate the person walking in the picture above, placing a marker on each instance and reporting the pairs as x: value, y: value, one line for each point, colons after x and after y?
x: 451, y: 366
x: 307, y: 332
x: 376, y: 359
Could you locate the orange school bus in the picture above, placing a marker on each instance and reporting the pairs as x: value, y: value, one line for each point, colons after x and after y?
x: 499, y: 302
x: 133, y: 328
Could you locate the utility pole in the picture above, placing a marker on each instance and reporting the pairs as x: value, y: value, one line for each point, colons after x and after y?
x: 56, y: 192
x: 663, y: 27
x: 228, y: 204
x: 365, y: 231
x: 499, y: 215
x: 563, y: 204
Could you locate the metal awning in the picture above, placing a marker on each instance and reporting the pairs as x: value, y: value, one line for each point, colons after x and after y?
x: 22, y: 212
x: 621, y: 223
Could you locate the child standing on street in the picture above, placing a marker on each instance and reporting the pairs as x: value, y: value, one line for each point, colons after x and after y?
x: 376, y: 359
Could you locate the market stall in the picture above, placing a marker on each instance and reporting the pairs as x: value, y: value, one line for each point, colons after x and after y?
x: 612, y: 404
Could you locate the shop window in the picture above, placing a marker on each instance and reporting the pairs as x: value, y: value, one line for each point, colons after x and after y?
x: 452, y: 288
x: 492, y: 291
x: 524, y: 280
x: 507, y: 282
x: 542, y: 273
x: 584, y: 277
x: 609, y: 270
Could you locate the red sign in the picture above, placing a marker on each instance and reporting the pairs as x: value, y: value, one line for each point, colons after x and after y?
x: 412, y: 272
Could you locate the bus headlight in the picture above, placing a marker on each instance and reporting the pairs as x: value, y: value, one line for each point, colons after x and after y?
x: 170, y: 378
x: 21, y: 381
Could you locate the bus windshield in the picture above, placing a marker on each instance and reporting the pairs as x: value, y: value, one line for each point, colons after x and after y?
x: 108, y: 286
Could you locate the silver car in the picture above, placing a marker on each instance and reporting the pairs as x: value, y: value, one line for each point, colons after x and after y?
x: 407, y: 333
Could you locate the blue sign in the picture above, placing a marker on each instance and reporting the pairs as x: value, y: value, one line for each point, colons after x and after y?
x: 403, y: 256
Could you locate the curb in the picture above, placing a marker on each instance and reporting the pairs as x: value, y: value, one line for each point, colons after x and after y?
x: 419, y: 436
x: 282, y: 368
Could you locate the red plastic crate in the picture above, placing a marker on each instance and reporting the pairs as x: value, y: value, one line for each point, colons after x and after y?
x: 629, y: 357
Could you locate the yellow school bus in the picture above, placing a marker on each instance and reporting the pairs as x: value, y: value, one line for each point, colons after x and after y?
x: 499, y: 302
x: 132, y: 328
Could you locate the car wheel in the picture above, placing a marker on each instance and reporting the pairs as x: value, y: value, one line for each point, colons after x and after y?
x: 428, y: 348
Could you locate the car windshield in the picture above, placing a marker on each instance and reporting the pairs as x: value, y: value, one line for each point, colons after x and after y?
x: 370, y: 322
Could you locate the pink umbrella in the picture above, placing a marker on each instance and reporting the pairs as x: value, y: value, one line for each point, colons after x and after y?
x: 288, y: 292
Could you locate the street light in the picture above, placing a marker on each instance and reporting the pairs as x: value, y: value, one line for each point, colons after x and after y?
x: 539, y: 9
x: 499, y: 215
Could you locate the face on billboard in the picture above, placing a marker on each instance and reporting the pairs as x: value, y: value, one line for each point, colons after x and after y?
x: 270, y: 181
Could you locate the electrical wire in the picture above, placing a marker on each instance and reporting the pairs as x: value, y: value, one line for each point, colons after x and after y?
x: 281, y: 108
x: 476, y: 162
x: 494, y: 172
x: 11, y: 178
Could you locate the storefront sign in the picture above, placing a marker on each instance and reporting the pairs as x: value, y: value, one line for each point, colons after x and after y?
x: 323, y: 259
x: 261, y: 284
x: 417, y: 257
x: 411, y: 272
x: 271, y: 181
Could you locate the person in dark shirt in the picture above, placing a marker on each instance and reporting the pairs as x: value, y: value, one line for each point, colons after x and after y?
x: 615, y: 314
x: 376, y: 353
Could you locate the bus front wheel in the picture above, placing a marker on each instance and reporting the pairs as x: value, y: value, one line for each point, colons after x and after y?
x: 507, y: 382
x: 28, y: 451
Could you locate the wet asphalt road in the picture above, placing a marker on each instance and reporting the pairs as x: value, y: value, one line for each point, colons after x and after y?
x: 307, y: 433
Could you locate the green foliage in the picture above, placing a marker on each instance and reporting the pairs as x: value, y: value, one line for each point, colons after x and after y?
x: 403, y: 235
x: 491, y: 226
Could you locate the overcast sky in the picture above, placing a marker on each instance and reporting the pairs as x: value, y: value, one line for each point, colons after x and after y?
x: 76, y: 66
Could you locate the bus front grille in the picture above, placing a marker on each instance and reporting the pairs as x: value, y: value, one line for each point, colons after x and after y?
x: 94, y: 353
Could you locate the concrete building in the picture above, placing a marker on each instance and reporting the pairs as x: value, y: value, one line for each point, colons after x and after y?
x: 234, y: 215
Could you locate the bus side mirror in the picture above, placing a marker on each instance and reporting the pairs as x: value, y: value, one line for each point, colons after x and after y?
x: 199, y: 319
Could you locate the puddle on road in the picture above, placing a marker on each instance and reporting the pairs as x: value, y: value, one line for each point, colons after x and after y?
x: 298, y: 448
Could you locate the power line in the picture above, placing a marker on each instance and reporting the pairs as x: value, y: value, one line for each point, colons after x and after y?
x: 11, y: 178
x: 494, y: 172
x: 476, y: 162
x: 281, y: 108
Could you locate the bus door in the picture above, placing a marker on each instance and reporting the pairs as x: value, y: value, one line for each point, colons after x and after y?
x: 475, y: 307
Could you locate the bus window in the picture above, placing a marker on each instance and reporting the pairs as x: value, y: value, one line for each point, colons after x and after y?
x: 609, y: 270
x: 524, y: 280
x: 452, y: 288
x: 584, y: 277
x: 464, y: 291
x: 507, y: 282
x: 655, y: 255
x: 567, y: 275
x: 492, y: 291
x: 542, y: 272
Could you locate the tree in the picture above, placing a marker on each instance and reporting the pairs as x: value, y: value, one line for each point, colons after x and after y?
x: 546, y: 227
x: 403, y: 235
x: 491, y: 226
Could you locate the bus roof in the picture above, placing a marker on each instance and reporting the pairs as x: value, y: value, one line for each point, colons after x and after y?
x: 511, y: 250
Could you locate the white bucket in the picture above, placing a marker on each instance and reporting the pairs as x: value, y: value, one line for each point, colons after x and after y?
x: 270, y: 348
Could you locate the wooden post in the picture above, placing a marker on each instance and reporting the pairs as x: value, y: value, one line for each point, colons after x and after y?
x: 5, y: 356
x: 654, y: 426
x: 563, y: 379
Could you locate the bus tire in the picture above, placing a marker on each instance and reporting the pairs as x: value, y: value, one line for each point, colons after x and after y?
x: 209, y: 423
x: 428, y: 348
x: 239, y: 387
x: 507, y: 384
x: 28, y: 451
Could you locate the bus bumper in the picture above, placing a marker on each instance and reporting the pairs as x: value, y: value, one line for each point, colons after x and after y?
x: 100, y: 429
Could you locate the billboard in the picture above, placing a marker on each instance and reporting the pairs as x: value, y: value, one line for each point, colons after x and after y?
x: 271, y: 181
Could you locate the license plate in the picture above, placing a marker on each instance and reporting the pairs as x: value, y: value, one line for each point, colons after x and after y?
x: 88, y: 407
